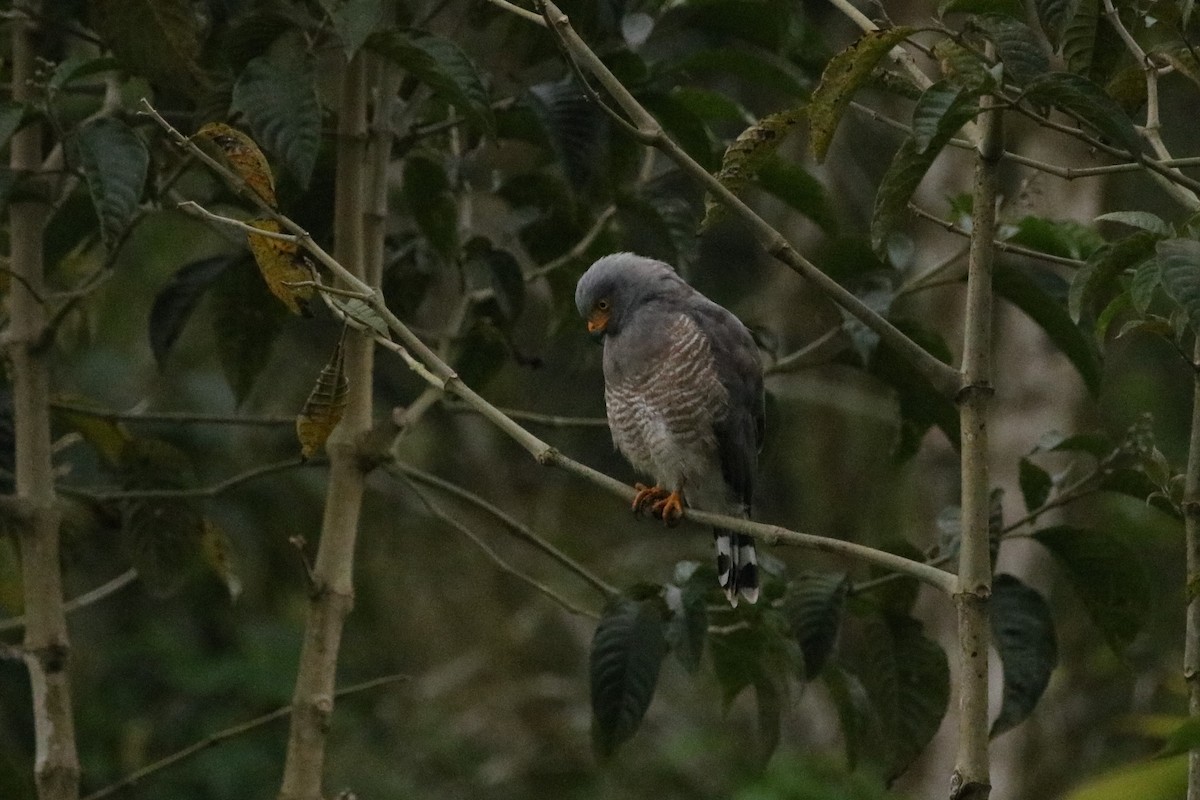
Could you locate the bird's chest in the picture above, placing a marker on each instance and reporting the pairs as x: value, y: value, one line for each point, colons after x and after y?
x: 663, y: 397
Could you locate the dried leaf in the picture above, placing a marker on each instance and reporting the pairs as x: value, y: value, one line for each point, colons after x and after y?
x: 324, y: 406
x: 282, y: 264
x: 244, y: 157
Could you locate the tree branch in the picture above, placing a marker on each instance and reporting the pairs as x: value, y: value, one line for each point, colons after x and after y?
x: 46, y: 646
x: 82, y: 601
x: 198, y: 492
x: 1191, y: 526
x: 333, y: 570
x: 225, y: 735
x: 514, y: 527
x: 495, y: 557
x: 971, y: 780
x: 172, y: 417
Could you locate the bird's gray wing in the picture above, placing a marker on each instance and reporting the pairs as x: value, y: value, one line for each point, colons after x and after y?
x: 739, y: 431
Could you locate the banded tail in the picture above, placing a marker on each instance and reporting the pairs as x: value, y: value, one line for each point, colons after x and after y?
x: 737, y: 565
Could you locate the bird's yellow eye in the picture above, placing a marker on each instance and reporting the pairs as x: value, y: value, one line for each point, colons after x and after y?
x: 602, y: 305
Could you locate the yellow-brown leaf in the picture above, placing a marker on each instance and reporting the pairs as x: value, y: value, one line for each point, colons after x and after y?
x: 282, y: 264
x: 323, y: 409
x: 244, y: 158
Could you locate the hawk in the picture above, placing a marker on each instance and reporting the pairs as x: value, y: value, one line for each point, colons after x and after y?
x: 683, y: 389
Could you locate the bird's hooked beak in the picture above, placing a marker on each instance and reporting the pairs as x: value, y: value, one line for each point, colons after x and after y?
x: 597, y: 321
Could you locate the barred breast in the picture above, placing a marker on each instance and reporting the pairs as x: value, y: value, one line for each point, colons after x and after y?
x: 662, y: 412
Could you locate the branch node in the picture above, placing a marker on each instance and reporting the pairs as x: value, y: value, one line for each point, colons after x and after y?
x: 983, y: 391
x: 548, y: 457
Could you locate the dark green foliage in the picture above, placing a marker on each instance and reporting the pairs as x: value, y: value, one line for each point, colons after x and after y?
x: 813, y: 605
x: 1109, y: 576
x: 627, y: 651
x: 1017, y: 47
x: 246, y: 321
x: 431, y: 202
x: 275, y: 92
x: 1023, y: 632
x: 114, y: 163
x: 1088, y: 102
x: 1179, y: 261
x: 1036, y: 484
x: 174, y: 303
x: 443, y: 66
x: 1041, y: 296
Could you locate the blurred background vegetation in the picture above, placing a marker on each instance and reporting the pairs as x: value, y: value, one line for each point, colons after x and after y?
x: 496, y: 702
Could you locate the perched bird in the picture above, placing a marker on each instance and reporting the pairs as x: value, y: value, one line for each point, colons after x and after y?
x: 683, y: 389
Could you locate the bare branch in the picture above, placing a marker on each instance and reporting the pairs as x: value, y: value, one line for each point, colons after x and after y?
x: 82, y: 601
x: 173, y: 417
x: 230, y: 733
x: 812, y: 354
x: 198, y: 492
x: 495, y: 557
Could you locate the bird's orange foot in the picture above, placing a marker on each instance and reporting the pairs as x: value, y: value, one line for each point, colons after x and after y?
x: 670, y: 508
x: 648, y: 497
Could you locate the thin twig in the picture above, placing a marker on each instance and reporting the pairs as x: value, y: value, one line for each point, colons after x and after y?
x: 82, y: 601
x: 999, y: 244
x: 515, y: 527
x: 172, y: 417
x: 229, y: 733
x: 812, y: 354
x: 495, y: 557
x: 579, y: 247
x: 211, y: 490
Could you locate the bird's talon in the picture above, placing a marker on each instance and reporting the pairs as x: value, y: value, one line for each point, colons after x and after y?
x: 670, y: 508
x: 648, y: 497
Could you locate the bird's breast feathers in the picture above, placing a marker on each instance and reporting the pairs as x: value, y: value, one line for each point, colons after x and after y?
x: 663, y: 394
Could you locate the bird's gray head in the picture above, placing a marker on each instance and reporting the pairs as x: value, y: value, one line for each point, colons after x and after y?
x: 616, y: 285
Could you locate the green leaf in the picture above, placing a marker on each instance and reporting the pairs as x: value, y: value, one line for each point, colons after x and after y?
x: 11, y: 116
x: 1109, y: 576
x: 1139, y: 219
x: 278, y: 97
x: 114, y: 163
x: 1052, y: 16
x: 174, y: 303
x: 687, y: 628
x: 427, y: 192
x: 747, y: 654
x: 1065, y: 238
x: 940, y: 116
x: 1079, y: 36
x: 1036, y: 484
x: 1050, y: 313
x: 683, y: 126
x: 1146, y: 279
x: 756, y: 68
x: 796, y: 186
x: 1184, y: 738
x: 1179, y: 260
x: 1102, y: 268
x: 358, y: 310
x: 246, y: 320
x: 1088, y: 102
x: 441, y: 65
x: 627, y: 651
x: 711, y: 106
x: 843, y: 75
x: 1011, y: 8
x: 921, y: 404
x: 354, y: 21
x: 942, y: 109
x: 1017, y: 47
x: 813, y: 606
x: 922, y: 692
x: 574, y: 126
x: 1023, y: 633
x: 860, y: 725
x: 160, y: 39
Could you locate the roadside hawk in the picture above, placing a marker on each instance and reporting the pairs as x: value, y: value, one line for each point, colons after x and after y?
x: 683, y: 389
